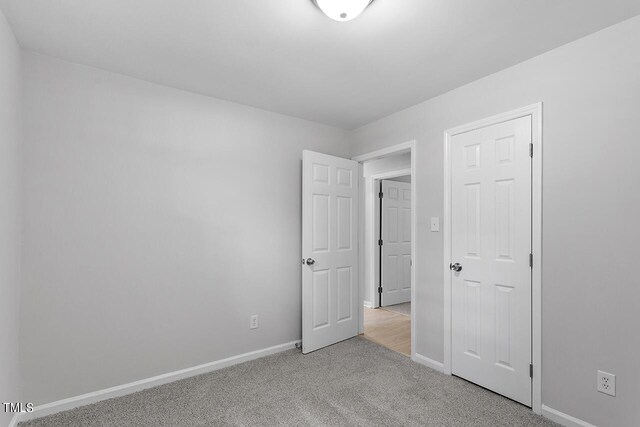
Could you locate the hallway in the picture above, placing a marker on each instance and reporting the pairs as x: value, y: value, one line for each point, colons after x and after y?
x: 389, y: 329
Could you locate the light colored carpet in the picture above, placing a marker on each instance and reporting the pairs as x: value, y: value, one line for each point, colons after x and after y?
x: 404, y: 308
x: 355, y: 382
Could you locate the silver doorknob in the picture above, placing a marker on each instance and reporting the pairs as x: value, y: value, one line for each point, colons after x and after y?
x: 311, y: 261
x: 455, y: 267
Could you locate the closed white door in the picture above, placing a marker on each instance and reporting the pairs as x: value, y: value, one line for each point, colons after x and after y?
x: 329, y: 250
x: 491, y: 245
x: 396, y: 242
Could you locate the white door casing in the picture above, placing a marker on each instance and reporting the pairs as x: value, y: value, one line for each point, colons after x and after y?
x: 491, y: 239
x: 396, y: 242
x: 330, y: 291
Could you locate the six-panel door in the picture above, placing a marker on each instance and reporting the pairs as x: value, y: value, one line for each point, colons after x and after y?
x: 491, y: 239
x: 330, y: 245
x: 396, y: 239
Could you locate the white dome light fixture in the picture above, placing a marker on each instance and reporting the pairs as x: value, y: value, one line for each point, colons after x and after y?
x: 342, y: 10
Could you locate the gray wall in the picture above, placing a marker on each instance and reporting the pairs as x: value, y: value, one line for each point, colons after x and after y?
x: 10, y: 136
x: 591, y: 205
x: 157, y: 222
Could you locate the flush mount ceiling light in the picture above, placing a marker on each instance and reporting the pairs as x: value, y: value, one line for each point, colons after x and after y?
x: 342, y: 10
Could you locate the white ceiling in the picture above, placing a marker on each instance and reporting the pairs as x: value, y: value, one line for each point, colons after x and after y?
x: 286, y: 56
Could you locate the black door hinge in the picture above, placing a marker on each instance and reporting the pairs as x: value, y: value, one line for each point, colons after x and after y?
x: 380, y: 242
x: 531, y: 371
x: 531, y: 150
x: 531, y: 260
x: 380, y: 194
x: 379, y: 289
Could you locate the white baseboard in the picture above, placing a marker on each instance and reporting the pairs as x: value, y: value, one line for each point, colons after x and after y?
x: 562, y: 418
x: 368, y: 304
x: 122, y: 390
x: 423, y: 360
x: 15, y: 420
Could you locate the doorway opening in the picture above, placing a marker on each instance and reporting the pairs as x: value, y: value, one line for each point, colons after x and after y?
x: 387, y: 245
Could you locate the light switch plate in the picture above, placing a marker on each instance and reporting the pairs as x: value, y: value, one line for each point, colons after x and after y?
x: 435, y: 224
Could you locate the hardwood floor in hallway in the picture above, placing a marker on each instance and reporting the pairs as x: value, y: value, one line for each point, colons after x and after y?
x: 391, y: 330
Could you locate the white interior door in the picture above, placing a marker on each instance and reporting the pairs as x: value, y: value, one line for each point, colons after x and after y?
x: 330, y: 250
x: 491, y: 240
x: 396, y: 242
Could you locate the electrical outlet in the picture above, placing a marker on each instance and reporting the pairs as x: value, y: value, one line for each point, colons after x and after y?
x: 253, y: 322
x: 606, y: 383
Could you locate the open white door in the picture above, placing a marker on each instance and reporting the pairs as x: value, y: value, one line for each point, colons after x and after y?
x: 490, y: 251
x: 396, y: 242
x: 329, y: 249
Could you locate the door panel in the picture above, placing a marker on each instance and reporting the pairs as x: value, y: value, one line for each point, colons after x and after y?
x: 320, y: 306
x: 396, y: 239
x: 491, y: 239
x: 329, y: 238
x: 345, y: 290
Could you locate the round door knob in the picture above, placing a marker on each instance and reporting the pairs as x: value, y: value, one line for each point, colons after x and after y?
x: 311, y: 261
x: 455, y: 267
